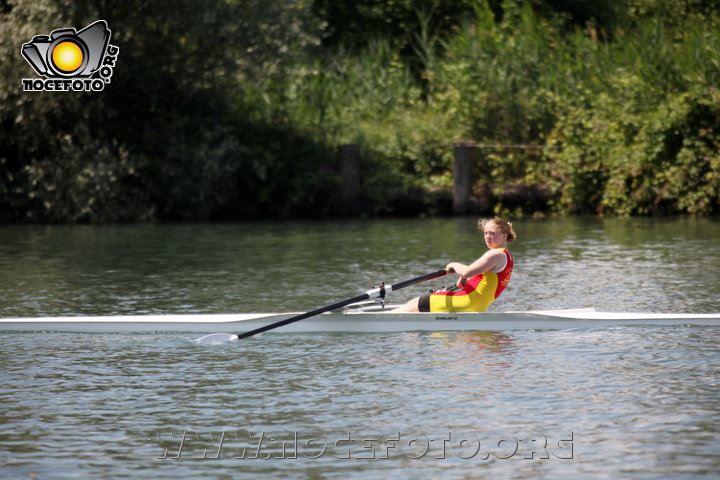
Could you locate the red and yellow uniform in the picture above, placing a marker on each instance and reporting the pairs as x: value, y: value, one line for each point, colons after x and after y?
x: 476, y: 295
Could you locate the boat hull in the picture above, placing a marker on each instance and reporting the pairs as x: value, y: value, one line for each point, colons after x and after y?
x: 355, y: 322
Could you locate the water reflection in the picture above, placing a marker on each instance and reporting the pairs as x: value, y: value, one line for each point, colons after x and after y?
x: 482, y: 351
x: 460, y: 364
x: 478, y: 342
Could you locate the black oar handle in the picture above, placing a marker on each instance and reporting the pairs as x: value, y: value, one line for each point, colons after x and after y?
x: 365, y: 296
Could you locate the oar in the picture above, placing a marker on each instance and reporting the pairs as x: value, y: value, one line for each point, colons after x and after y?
x: 374, y: 293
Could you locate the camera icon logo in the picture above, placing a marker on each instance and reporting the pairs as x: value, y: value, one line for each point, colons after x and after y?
x: 67, y: 54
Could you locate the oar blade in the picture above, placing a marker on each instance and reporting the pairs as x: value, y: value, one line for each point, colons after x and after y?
x: 216, y: 339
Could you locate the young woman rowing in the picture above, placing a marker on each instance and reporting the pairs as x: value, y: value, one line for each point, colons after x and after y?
x: 481, y: 282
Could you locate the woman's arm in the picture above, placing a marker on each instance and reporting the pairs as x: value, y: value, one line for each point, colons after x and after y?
x: 490, y: 260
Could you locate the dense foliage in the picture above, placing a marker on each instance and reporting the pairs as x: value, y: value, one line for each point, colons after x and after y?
x: 235, y: 108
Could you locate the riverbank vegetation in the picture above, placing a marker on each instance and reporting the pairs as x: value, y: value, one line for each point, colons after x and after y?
x: 227, y: 109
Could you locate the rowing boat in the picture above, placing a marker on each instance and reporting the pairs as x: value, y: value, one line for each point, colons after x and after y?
x: 356, y: 320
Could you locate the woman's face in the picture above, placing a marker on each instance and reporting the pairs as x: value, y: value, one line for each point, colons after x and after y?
x: 494, y: 238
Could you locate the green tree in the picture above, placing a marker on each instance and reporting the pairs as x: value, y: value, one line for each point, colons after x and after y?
x: 165, y: 138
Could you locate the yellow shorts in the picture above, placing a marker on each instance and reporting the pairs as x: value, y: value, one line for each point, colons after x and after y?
x: 476, y: 296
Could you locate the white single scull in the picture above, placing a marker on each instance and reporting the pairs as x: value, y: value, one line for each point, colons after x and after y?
x: 358, y: 320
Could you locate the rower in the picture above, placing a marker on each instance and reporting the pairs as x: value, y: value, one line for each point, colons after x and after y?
x: 481, y: 282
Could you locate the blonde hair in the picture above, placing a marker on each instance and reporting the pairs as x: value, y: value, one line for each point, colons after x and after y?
x: 505, y: 227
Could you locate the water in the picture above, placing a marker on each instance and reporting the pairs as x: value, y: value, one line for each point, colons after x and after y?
x: 585, y: 403
x: 622, y: 265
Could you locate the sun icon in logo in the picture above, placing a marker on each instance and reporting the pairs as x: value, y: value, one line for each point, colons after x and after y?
x: 67, y: 56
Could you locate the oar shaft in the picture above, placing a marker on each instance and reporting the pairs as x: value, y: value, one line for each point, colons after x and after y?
x: 305, y: 315
x: 424, y: 278
x: 365, y: 296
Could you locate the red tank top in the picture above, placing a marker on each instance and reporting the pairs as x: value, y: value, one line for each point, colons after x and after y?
x: 504, y: 275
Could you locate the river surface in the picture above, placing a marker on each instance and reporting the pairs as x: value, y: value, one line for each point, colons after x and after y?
x: 595, y: 403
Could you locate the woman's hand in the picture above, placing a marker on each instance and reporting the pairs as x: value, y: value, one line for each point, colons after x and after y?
x: 457, y: 268
x: 453, y: 267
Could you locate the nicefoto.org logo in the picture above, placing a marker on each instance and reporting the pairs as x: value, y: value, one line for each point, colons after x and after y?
x: 77, y: 61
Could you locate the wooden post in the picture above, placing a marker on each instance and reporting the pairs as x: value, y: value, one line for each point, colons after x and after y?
x: 465, y: 153
x: 349, y: 157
